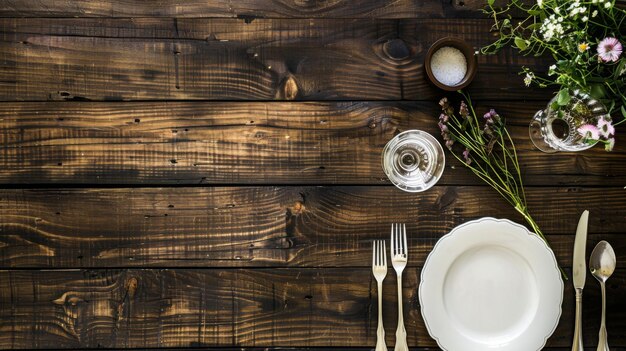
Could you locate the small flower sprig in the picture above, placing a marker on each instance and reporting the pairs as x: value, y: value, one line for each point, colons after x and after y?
x: 485, y: 146
x: 603, y: 132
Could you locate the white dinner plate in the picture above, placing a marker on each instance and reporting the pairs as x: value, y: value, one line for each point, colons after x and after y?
x: 491, y: 284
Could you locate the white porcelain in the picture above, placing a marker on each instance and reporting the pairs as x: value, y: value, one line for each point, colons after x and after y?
x: 491, y: 284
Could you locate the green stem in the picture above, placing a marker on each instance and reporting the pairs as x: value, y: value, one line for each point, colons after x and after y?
x: 535, y: 227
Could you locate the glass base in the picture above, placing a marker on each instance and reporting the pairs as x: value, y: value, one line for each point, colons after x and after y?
x: 536, y: 135
x: 413, y: 161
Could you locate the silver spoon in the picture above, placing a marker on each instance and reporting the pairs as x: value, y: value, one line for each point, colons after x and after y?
x: 602, y: 264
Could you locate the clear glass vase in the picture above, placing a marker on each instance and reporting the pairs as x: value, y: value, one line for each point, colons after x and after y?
x: 413, y: 160
x: 553, y: 130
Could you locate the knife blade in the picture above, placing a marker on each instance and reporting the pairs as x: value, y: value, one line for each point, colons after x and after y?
x: 579, y: 267
x: 579, y: 270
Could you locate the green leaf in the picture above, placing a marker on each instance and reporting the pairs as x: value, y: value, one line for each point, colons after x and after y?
x: 535, y: 12
x: 611, y: 106
x: 554, y: 105
x: 597, y: 91
x: 563, y: 97
x: 491, y: 2
x: 623, y: 111
x: 520, y: 43
x: 620, y: 67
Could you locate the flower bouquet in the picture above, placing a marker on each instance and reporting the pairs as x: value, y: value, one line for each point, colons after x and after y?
x: 585, y: 41
x: 483, y: 144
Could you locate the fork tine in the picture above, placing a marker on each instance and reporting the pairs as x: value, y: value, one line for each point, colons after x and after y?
x: 377, y: 252
x: 393, y: 243
x: 406, y: 247
x: 380, y: 253
x: 374, y: 253
x: 384, y: 254
x: 398, y: 240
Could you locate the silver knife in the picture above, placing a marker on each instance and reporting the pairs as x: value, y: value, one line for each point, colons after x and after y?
x: 579, y: 270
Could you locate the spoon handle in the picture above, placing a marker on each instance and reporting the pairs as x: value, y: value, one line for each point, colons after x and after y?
x: 603, y: 344
x: 577, y: 345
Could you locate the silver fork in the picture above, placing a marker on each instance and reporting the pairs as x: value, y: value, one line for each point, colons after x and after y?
x: 398, y: 260
x: 379, y: 269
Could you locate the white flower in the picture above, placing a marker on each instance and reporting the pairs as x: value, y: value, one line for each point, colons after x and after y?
x: 610, y: 144
x: 594, y: 13
x: 585, y: 19
x: 589, y: 131
x: 551, y: 70
x: 528, y: 79
x: 540, y: 3
x: 553, y: 27
x: 605, y: 127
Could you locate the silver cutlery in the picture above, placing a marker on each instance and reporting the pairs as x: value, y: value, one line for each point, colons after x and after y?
x: 379, y: 269
x: 579, y: 270
x: 602, y: 265
x: 399, y: 259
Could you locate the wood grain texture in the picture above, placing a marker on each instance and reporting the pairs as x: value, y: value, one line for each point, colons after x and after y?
x: 229, y: 59
x: 251, y: 143
x: 242, y: 8
x: 271, y: 226
x: 262, y: 307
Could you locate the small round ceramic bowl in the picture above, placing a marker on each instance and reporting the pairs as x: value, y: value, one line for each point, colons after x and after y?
x: 470, y: 57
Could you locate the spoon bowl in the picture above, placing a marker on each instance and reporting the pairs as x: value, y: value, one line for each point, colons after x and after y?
x: 602, y: 265
x: 602, y: 262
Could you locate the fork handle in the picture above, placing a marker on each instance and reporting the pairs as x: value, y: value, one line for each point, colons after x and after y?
x: 380, y: 333
x: 401, y: 344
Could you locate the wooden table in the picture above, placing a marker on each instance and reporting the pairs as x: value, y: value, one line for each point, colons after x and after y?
x: 206, y: 174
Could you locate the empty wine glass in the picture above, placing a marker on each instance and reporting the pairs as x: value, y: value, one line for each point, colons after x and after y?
x: 553, y: 130
x: 413, y: 160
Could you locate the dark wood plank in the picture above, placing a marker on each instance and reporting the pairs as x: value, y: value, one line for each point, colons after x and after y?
x: 251, y: 143
x: 229, y: 59
x: 271, y: 226
x: 243, y: 8
x: 262, y: 307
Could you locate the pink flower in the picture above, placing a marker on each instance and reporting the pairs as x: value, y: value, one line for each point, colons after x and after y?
x: 610, y: 143
x: 589, y: 131
x: 605, y: 127
x: 609, y: 49
x: 449, y: 144
x: 466, y: 156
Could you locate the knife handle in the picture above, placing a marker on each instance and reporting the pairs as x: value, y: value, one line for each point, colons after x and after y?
x: 577, y: 345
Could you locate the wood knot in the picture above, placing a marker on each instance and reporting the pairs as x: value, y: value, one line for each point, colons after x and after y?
x: 131, y: 287
x: 290, y: 88
x: 446, y: 199
x: 396, y: 49
x: 298, y: 208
